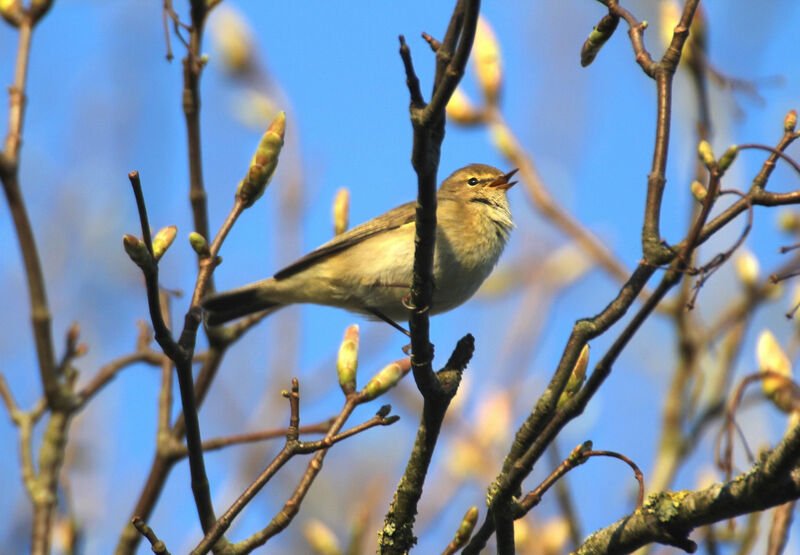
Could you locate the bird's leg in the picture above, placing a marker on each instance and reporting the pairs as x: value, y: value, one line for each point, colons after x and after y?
x: 378, y: 314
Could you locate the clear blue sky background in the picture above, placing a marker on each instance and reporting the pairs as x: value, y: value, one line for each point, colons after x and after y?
x: 103, y: 101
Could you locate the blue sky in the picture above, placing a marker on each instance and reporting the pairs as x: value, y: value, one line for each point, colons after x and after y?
x: 103, y: 101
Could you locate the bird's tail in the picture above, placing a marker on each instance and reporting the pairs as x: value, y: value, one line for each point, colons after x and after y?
x: 227, y: 306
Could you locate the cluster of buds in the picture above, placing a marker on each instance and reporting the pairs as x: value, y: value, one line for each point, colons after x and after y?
x: 706, y: 155
x: 263, y: 164
x: 137, y: 250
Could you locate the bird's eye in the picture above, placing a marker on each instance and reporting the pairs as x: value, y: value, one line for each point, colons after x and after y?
x: 472, y: 181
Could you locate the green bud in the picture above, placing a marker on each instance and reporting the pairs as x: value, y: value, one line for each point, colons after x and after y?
x: 727, y: 159
x: 466, y: 527
x: 386, y: 378
x: 163, y: 240
x: 790, y: 121
x: 577, y: 377
x: 263, y: 163
x: 136, y: 249
x: 199, y: 244
x: 578, y: 455
x: 699, y: 192
x: 597, y: 38
x: 347, y: 362
x: 706, y: 154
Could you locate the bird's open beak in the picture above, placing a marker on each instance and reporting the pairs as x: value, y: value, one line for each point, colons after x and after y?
x: 503, y: 182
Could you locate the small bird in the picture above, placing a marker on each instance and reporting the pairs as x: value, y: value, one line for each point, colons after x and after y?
x: 368, y: 268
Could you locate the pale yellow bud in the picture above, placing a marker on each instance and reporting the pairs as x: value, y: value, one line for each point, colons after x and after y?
x: 233, y: 39
x: 705, y: 153
x: 577, y: 377
x: 12, y: 11
x: 780, y: 389
x: 321, y: 538
x: 347, y: 361
x: 263, y: 164
x: 341, y: 211
x: 789, y: 221
x: 461, y: 110
x: 771, y: 358
x: 747, y: 268
x: 163, y: 239
x: 503, y: 140
x: 386, y: 378
x: 488, y: 61
x: 699, y: 192
x: 790, y: 121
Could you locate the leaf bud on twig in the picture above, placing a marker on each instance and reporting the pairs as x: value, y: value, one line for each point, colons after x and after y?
x: 347, y: 362
x: 199, y: 244
x: 263, y: 164
x: 387, y: 378
x: 699, y: 191
x: 705, y: 154
x: 728, y: 157
x: 790, y: 121
x: 136, y: 250
x: 163, y: 240
x: 577, y: 377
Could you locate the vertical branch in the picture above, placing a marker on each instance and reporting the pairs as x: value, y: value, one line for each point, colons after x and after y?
x: 42, y: 486
x: 428, y: 122
x: 192, y: 70
x: 544, y: 422
x: 397, y: 535
x: 9, y: 174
